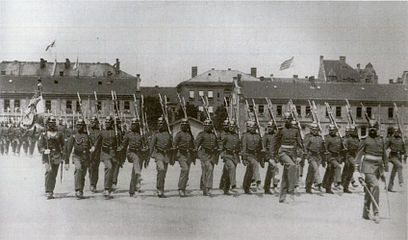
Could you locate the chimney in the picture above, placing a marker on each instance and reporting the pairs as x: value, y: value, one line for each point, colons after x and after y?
x: 262, y: 78
x: 295, y: 77
x: 391, y: 81
x: 342, y: 59
x: 67, y: 63
x: 229, y: 69
x: 253, y: 71
x: 42, y: 63
x: 117, y: 66
x: 194, y: 71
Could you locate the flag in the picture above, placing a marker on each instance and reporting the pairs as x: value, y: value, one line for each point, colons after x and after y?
x: 286, y: 64
x: 50, y: 46
x: 54, y: 68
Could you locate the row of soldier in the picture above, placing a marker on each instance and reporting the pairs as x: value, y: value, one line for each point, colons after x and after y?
x: 281, y: 145
x: 14, y: 135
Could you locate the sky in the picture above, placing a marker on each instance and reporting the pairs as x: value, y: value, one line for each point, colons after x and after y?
x: 163, y: 40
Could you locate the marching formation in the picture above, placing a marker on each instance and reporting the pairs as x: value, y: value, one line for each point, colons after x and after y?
x: 365, y: 159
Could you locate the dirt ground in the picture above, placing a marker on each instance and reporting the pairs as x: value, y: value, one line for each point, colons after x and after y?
x: 26, y: 214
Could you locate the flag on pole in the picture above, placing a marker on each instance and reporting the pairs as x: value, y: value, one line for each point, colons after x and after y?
x: 50, y: 46
x: 286, y: 64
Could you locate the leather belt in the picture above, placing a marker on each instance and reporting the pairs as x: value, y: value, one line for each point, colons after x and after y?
x: 372, y: 157
x: 287, y: 146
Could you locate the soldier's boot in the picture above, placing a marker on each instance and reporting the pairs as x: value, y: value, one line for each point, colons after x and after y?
x: 309, y: 189
x: 258, y: 186
x: 268, y: 191
x: 182, y: 193
x: 77, y: 194
x: 50, y: 195
x: 205, y: 193
x: 346, y: 190
x: 114, y: 187
x: 160, y: 194
x: 354, y: 184
x: 106, y: 193
x: 376, y: 218
x: 328, y: 190
x: 93, y: 189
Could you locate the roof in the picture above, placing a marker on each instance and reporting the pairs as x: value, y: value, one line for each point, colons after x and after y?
x: 170, y: 92
x: 219, y: 76
x: 326, y: 91
x: 24, y: 68
x: 67, y: 85
x: 342, y: 71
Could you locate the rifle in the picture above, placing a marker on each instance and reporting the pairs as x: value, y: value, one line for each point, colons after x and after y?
x: 183, y: 107
x: 365, y: 112
x: 315, y: 117
x: 398, y: 121
x: 262, y: 157
x: 294, y: 114
x: 270, y: 111
x: 141, y: 129
x: 248, y: 110
x: 97, y: 110
x: 332, y: 119
x: 205, y: 105
x: 235, y: 115
x: 163, y: 104
x: 82, y: 113
x: 144, y: 116
x: 114, y: 118
x: 226, y: 108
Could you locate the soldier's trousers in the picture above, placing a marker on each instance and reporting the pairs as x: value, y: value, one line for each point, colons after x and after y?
x: 94, y: 172
x: 6, y: 147
x: 161, y: 167
x: 31, y: 148
x: 80, y: 171
x: 396, y: 169
x: 51, y: 177
x: 348, y: 171
x: 289, y: 176
x: 313, y: 174
x: 1, y: 147
x: 251, y: 172
x: 25, y: 147
x: 371, y: 180
x: 115, y: 174
x: 137, y: 161
x: 229, y: 173
x: 332, y: 174
x: 185, y: 164
x: 271, y: 176
x: 13, y: 146
x: 224, y: 178
x: 110, y: 163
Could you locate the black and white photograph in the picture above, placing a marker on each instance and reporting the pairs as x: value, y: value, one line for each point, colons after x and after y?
x: 203, y: 120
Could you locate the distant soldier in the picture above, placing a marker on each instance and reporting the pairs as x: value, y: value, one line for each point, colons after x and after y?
x: 251, y: 150
x: 351, y: 143
x: 314, y: 146
x: 108, y: 154
x: 135, y: 154
x: 51, y: 146
x: 120, y: 155
x: 32, y: 135
x: 230, y: 147
x: 225, y: 127
x: 373, y: 166
x: 272, y: 171
x: 81, y: 145
x: 161, y: 150
x: 2, y: 137
x: 288, y: 147
x: 184, y: 142
x: 95, y: 157
x: 397, y: 154
x: 207, y: 145
x: 24, y: 139
x: 14, y: 137
x: 334, y: 147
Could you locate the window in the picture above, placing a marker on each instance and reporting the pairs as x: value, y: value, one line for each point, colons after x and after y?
x: 191, y: 94
x: 261, y: 109
x: 358, y: 113
x: 126, y: 107
x: 228, y: 101
x: 369, y: 112
x: 3, y: 73
x: 338, y: 111
x: 251, y: 108
x: 307, y: 111
x: 218, y: 95
x: 363, y: 131
x: 390, y: 112
x: 279, y: 110
x: 61, y: 74
x: 327, y: 113
x: 78, y: 107
x: 99, y: 83
x: 201, y: 93
x: 210, y: 94
x: 48, y: 105
x: 201, y: 108
x: 6, y: 105
x: 56, y: 81
x: 210, y: 109
x: 17, y: 106
x: 299, y: 110
x: 68, y: 104
x: 99, y: 105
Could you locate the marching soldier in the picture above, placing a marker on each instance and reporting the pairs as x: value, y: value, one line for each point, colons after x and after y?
x: 334, y: 147
x: 375, y: 161
x: 14, y: 138
x: 225, y: 128
x: 81, y: 145
x: 272, y: 171
x: 51, y: 146
x: 397, y: 153
x: 351, y: 143
x: 95, y: 157
x: 251, y: 148
x: 184, y: 142
x: 32, y: 136
x: 2, y: 137
x: 24, y: 140
x: 135, y: 154
x: 287, y: 145
x: 120, y: 155
x: 314, y: 146
x: 207, y: 145
x: 161, y: 150
x: 108, y: 154
x: 231, y: 148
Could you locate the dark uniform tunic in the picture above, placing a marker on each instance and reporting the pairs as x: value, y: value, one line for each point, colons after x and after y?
x: 334, y: 147
x: 351, y: 144
x: 397, y: 150
x: 54, y: 141
x: 231, y: 147
x: 95, y: 157
x: 32, y: 135
x: 314, y: 145
x: 184, y: 142
x: 207, y: 146
x: 108, y: 155
x: 272, y: 172
x: 251, y: 150
x: 160, y: 149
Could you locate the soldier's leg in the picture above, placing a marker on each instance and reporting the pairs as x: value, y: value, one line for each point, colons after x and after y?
x: 78, y: 172
x: 275, y: 176
x: 6, y: 147
x: 107, y: 160
x: 337, y: 172
x: 132, y: 185
x: 231, y: 174
x: 94, y: 172
x: 284, y: 185
x: 372, y: 184
x: 51, y: 178
x: 161, y: 167
x: 184, y: 171
x: 310, y: 177
x: 208, y: 166
x: 223, y: 177
x: 115, y: 173
x: 31, y: 149
x: 347, y: 174
x: 18, y: 147
x: 398, y: 165
x: 247, y: 178
x: 255, y: 170
x: 268, y: 178
x: 202, y: 176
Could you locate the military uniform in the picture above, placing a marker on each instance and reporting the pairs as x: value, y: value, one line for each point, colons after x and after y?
x: 207, y: 145
x: 314, y: 146
x: 108, y: 156
x: 221, y: 136
x: 24, y: 140
x: 160, y: 150
x: 397, y: 151
x: 54, y: 141
x: 2, y: 138
x: 184, y: 142
x: 95, y: 157
x: 7, y: 134
x: 14, y: 138
x: 32, y: 135
x: 351, y: 143
x: 272, y: 171
x: 334, y: 147
x: 230, y: 154
x: 251, y: 148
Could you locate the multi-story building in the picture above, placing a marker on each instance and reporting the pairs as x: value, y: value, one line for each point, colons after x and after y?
x: 61, y: 81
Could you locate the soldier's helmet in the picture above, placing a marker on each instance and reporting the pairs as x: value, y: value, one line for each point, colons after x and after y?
x: 314, y: 126
x: 207, y: 122
x: 352, y: 128
x: 184, y: 121
x: 396, y: 129
x: 293, y: 123
x: 51, y: 120
x: 231, y: 124
x: 108, y: 119
x: 287, y: 116
x: 135, y: 121
x: 80, y: 122
x: 373, y: 124
x: 270, y: 124
x: 250, y: 124
x: 332, y: 127
x: 160, y: 120
x: 348, y: 128
x: 117, y: 118
x: 225, y: 123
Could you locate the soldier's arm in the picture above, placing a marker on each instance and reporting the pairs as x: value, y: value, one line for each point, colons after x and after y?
x: 385, y: 158
x: 360, y: 153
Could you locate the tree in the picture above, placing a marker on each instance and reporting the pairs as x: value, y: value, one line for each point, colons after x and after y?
x: 191, y: 109
x: 219, y: 117
x: 153, y: 111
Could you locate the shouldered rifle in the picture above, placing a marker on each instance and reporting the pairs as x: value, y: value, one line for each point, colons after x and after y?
x: 248, y: 110
x: 332, y: 119
x: 315, y: 116
x: 141, y: 128
x: 97, y: 110
x: 270, y: 111
x: 294, y: 114
x: 235, y: 115
x: 163, y: 104
x: 226, y: 108
x: 114, y: 119
x: 143, y: 116
x: 82, y: 113
x: 350, y: 119
x: 365, y: 112
x: 399, y: 124
x: 262, y: 157
x: 207, y: 113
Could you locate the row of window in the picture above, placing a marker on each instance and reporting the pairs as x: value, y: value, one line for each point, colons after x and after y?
x: 210, y: 94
